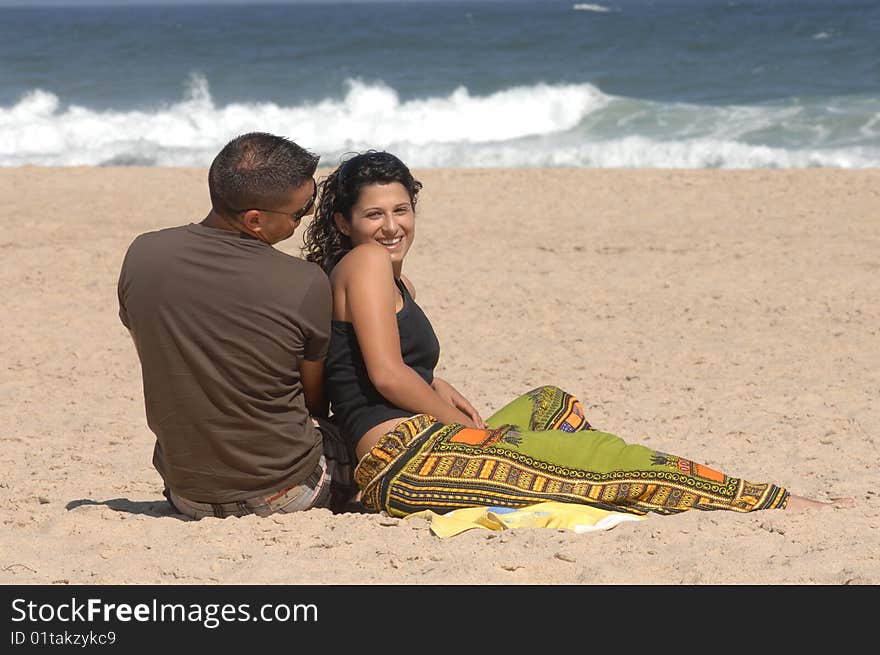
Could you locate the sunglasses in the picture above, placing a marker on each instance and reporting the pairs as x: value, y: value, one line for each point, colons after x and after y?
x: 294, y: 216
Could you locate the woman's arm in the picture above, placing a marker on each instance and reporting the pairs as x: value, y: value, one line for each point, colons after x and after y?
x: 311, y: 373
x: 452, y: 396
x: 367, y: 280
x: 445, y: 390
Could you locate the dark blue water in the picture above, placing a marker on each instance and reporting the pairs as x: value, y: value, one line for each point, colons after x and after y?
x: 612, y: 83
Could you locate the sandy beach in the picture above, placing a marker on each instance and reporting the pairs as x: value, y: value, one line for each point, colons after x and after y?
x: 732, y: 317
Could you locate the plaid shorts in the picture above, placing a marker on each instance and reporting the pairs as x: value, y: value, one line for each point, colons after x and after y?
x: 330, y: 485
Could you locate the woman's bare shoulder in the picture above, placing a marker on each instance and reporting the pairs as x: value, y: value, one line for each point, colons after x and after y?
x: 363, y: 261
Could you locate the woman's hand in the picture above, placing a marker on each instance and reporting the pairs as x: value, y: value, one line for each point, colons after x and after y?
x: 450, y: 395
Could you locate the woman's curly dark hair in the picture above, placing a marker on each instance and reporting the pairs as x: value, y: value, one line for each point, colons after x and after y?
x: 324, y: 244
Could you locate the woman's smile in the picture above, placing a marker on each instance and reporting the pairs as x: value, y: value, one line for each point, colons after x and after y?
x: 391, y: 244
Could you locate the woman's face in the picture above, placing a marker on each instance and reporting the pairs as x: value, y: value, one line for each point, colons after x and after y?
x: 384, y: 214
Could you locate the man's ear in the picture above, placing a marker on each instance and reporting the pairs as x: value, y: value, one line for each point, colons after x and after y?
x: 251, y: 220
x: 342, y: 224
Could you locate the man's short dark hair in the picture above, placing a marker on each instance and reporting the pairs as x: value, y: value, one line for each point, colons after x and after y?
x: 258, y: 170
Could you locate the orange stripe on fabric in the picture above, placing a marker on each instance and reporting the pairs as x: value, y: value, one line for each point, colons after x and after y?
x: 487, y: 469
x: 428, y: 466
x: 470, y: 436
x: 709, y: 474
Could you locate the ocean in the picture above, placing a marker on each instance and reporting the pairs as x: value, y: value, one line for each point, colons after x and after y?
x: 610, y: 84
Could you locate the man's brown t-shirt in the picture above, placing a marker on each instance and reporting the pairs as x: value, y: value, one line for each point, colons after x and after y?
x: 220, y: 321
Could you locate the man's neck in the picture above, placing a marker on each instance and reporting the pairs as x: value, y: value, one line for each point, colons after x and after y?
x: 215, y: 220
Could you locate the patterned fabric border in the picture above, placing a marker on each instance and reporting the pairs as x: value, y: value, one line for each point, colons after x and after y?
x: 412, y: 469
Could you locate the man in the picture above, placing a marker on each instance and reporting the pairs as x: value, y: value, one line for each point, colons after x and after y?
x: 231, y: 335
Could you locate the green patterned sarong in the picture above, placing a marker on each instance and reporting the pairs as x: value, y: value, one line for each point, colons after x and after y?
x: 541, y: 448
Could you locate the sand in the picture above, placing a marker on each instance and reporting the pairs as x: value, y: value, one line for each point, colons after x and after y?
x: 727, y: 316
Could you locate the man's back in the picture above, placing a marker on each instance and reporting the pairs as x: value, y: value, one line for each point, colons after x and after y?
x: 219, y: 321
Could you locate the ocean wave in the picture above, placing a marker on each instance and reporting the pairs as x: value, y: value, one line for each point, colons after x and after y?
x: 38, y: 130
x: 539, y: 125
x: 583, y: 6
x: 635, y: 152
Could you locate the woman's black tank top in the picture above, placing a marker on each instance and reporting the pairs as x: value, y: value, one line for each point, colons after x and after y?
x: 356, y: 404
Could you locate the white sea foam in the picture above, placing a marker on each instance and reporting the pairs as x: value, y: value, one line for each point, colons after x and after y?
x: 540, y: 125
x: 39, y: 130
x: 636, y: 152
x: 583, y: 6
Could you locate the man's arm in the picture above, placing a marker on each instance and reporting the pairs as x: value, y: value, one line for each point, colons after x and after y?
x: 312, y: 376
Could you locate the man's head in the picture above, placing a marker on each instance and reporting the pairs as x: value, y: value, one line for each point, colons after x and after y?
x: 264, y: 184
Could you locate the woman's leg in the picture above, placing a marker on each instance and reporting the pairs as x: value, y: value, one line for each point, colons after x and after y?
x: 427, y: 465
x: 544, y: 408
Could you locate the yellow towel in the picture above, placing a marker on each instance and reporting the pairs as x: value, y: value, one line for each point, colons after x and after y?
x: 568, y: 516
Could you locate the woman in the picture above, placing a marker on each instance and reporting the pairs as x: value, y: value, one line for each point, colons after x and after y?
x: 419, y: 442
